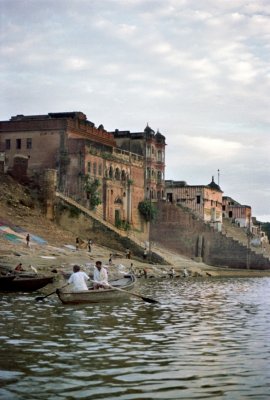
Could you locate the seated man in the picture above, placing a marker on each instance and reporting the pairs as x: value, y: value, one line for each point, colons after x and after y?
x: 100, y: 276
x: 78, y: 279
x: 19, y: 267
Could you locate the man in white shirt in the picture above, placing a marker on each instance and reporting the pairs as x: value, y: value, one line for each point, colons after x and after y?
x: 78, y: 279
x: 100, y: 276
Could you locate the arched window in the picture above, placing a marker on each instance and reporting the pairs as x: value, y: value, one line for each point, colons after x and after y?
x: 117, y: 174
x: 123, y: 175
x: 111, y: 172
x: 89, y: 167
x: 100, y: 169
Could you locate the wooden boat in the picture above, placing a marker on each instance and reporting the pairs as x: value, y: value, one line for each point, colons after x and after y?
x: 6, y: 279
x: 101, y: 295
x: 23, y: 283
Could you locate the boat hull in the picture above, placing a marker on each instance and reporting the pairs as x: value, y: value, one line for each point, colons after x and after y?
x: 101, y: 295
x: 23, y: 284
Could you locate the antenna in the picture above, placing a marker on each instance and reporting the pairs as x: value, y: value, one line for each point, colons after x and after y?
x: 218, y: 171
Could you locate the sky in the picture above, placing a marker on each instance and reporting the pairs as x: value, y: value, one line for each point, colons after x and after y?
x: 197, y: 71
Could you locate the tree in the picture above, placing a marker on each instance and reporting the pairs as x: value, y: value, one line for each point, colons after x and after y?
x: 91, y: 186
x: 266, y: 228
x: 148, y: 210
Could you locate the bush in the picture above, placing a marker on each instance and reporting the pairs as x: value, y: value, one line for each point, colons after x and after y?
x: 91, y: 186
x: 148, y: 210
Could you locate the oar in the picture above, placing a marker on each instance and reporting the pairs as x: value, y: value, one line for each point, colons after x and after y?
x: 146, y: 299
x: 39, y: 298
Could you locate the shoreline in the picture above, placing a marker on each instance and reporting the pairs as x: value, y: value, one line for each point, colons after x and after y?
x: 46, y: 258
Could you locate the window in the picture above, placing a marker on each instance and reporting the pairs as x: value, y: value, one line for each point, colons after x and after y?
x: 100, y: 169
x: 29, y: 143
x: 95, y: 169
x: 89, y: 167
x: 8, y: 144
x: 111, y: 172
x: 18, y: 143
x: 117, y: 174
x: 198, y: 199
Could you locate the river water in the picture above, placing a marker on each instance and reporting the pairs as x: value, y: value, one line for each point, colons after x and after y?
x: 208, y: 339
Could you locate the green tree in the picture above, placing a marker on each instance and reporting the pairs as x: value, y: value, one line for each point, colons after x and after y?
x: 91, y: 186
x: 266, y: 228
x: 148, y: 210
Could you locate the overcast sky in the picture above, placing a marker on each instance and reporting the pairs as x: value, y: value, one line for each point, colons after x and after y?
x: 196, y: 70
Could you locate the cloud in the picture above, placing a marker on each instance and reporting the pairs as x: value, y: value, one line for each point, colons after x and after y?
x: 198, y: 71
x: 213, y: 147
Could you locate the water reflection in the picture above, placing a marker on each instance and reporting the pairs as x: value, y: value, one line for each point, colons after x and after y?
x: 207, y: 339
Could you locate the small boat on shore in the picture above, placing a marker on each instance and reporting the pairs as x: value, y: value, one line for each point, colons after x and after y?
x: 23, y: 283
x: 118, y: 290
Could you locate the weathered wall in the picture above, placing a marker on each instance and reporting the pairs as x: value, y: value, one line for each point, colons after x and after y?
x: 85, y: 228
x: 180, y: 231
x: 37, y: 157
x: 49, y: 187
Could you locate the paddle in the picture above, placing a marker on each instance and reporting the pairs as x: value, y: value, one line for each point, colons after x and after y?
x: 39, y: 298
x: 146, y: 299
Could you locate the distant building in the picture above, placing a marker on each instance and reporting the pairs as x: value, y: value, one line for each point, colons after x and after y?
x: 237, y: 213
x: 150, y: 146
x: 203, y: 200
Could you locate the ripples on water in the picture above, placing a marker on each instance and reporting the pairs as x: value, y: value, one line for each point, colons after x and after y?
x: 208, y: 339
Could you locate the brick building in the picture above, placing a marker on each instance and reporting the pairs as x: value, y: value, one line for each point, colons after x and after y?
x: 203, y: 200
x: 236, y: 212
x: 150, y: 146
x: 80, y: 152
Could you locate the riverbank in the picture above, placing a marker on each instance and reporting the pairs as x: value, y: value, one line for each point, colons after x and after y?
x: 52, y: 249
x: 57, y: 259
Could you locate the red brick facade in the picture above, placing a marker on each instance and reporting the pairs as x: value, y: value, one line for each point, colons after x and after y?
x: 151, y: 146
x: 72, y: 145
x: 204, y: 201
x: 240, y: 214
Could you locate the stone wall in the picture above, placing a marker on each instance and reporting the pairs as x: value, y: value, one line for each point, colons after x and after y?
x: 49, y: 187
x: 182, y: 232
x: 85, y: 227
